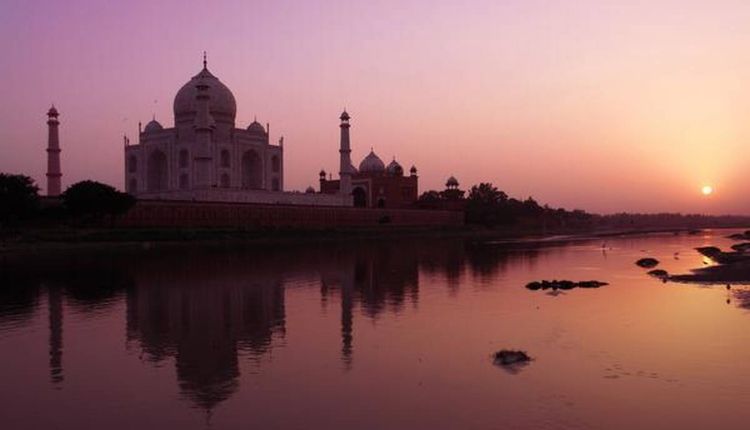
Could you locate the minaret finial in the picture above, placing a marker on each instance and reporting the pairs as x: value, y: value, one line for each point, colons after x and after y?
x: 205, y: 62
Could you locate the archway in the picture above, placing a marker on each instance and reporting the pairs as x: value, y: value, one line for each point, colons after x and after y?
x: 183, y: 158
x: 184, y: 182
x: 252, y: 170
x: 360, y: 197
x: 225, y: 158
x: 157, y: 171
x: 224, y: 180
x: 132, y: 164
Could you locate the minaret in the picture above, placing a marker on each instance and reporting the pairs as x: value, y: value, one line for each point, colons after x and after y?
x: 54, y: 173
x: 204, y: 126
x: 345, y: 169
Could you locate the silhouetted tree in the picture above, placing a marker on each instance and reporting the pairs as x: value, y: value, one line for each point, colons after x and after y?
x: 430, y: 199
x: 92, y: 201
x: 19, y: 198
x: 486, y: 205
x: 430, y: 196
x: 452, y: 194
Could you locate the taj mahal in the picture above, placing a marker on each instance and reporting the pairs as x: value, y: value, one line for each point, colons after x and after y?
x: 206, y: 157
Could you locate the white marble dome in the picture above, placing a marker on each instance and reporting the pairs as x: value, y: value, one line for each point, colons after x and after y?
x: 222, y: 104
x: 256, y: 128
x: 371, y: 164
x: 153, y: 126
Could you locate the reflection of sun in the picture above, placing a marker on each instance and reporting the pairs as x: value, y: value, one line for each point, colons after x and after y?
x: 707, y: 190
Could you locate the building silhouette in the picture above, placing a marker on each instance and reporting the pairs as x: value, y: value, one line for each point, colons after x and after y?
x: 374, y: 184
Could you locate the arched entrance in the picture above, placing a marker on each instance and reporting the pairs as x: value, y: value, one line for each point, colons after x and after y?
x: 157, y: 171
x: 252, y: 170
x: 360, y: 197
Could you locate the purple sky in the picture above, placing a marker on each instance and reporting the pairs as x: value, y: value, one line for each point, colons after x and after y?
x: 601, y: 105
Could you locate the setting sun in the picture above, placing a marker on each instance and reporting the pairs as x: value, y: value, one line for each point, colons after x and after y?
x: 707, y: 190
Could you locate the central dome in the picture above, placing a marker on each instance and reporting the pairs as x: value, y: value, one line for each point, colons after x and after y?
x: 221, y: 104
x: 371, y: 164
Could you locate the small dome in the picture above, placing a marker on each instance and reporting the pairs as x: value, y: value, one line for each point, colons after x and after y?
x: 256, y: 128
x: 310, y: 190
x: 344, y: 116
x: 153, y: 126
x: 451, y: 182
x: 52, y: 111
x: 221, y: 104
x: 413, y: 170
x: 371, y: 164
x: 394, y: 168
x: 322, y: 174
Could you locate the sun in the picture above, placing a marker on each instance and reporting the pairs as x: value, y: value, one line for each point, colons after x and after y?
x: 707, y: 190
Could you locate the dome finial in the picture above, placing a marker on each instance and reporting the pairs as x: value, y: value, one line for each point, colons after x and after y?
x: 205, y: 62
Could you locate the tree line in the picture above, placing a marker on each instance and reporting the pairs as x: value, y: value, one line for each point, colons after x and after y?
x: 85, y: 202
x: 488, y: 206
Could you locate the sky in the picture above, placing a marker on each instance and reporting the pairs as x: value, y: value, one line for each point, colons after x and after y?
x: 600, y: 105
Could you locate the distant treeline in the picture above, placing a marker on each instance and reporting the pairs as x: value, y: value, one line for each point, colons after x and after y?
x: 486, y: 205
x: 671, y: 220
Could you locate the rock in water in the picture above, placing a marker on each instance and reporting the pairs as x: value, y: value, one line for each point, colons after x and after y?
x: 741, y: 247
x: 534, y: 286
x: 591, y: 284
x: 509, y: 357
x: 647, y: 263
x: 563, y: 285
x: 658, y: 273
x: 740, y: 236
x: 721, y: 257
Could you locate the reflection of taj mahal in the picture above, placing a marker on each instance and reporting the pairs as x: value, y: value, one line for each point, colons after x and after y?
x: 204, y: 157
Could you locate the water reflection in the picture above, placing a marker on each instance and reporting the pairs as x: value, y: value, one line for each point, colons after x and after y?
x: 55, y: 312
x: 208, y: 308
x: 203, y: 314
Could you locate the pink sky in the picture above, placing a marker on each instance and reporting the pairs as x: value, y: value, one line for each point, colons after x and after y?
x: 600, y: 105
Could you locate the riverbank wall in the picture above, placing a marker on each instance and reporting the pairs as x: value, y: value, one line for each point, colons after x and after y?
x: 186, y: 214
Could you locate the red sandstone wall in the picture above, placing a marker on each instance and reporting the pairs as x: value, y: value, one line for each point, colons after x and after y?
x: 151, y: 213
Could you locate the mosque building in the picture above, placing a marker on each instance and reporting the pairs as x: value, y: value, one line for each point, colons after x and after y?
x: 374, y: 184
x: 205, y: 157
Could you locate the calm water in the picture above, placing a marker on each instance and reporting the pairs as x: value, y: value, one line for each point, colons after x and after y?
x: 371, y: 336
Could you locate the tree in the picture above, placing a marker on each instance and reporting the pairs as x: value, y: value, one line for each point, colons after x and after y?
x: 19, y: 198
x: 453, y: 194
x: 91, y: 201
x: 430, y: 199
x: 486, y: 205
